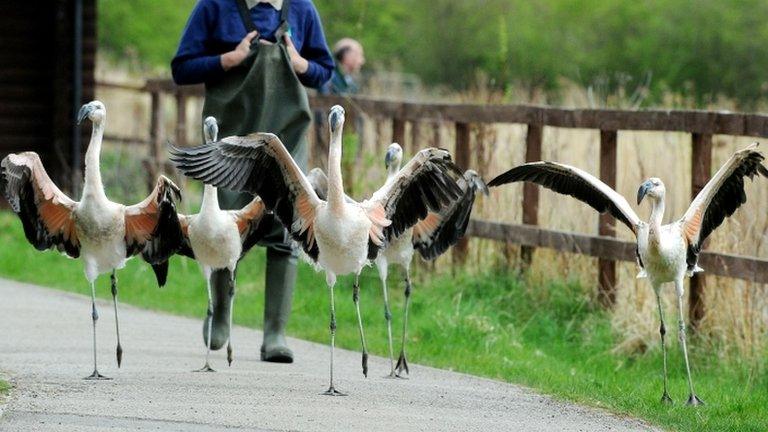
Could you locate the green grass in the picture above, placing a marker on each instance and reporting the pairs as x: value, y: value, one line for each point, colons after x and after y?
x: 549, y: 337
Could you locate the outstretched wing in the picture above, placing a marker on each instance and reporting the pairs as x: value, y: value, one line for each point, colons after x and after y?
x: 46, y: 213
x: 258, y: 164
x: 152, y: 227
x: 572, y: 181
x: 720, y: 198
x: 426, y: 183
x: 248, y: 220
x: 433, y: 235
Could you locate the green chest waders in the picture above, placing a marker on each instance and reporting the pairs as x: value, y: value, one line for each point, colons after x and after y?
x: 263, y: 94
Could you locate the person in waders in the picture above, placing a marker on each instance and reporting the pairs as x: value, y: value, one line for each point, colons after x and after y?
x: 255, y: 57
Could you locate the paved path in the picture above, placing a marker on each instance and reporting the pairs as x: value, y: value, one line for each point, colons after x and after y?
x: 45, y: 350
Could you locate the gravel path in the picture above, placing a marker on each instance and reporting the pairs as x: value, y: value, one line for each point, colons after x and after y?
x: 45, y: 350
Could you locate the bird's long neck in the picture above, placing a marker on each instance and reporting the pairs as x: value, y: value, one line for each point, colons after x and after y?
x: 335, y: 181
x: 210, y: 202
x: 657, y: 215
x: 392, y: 170
x: 93, y: 184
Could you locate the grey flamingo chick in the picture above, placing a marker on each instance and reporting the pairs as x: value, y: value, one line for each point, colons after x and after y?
x: 431, y: 237
x: 340, y: 237
x: 666, y: 253
x: 217, y: 239
x: 101, y: 232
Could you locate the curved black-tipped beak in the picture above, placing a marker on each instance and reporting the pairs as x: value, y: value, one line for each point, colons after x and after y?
x: 644, y: 188
x: 84, y: 112
x: 336, y: 117
x: 211, y: 131
x: 389, y: 157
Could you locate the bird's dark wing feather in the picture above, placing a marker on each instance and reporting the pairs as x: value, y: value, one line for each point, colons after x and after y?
x: 426, y: 183
x: 152, y: 227
x: 572, y: 181
x: 46, y: 213
x: 436, y: 233
x: 258, y: 164
x: 720, y: 198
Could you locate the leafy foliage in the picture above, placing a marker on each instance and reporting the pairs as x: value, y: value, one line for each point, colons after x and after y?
x: 707, y: 49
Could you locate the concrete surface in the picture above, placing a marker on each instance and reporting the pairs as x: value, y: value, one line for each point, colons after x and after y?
x: 45, y: 350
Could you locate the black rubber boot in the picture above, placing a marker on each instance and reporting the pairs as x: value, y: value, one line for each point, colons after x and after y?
x: 278, y: 296
x: 222, y: 291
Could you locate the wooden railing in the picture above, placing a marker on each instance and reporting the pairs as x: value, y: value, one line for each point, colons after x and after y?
x: 702, y: 125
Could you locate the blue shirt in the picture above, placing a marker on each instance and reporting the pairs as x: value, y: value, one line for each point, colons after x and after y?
x: 215, y: 27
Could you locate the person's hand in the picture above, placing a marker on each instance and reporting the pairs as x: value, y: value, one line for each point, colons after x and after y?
x: 299, y: 63
x: 237, y: 55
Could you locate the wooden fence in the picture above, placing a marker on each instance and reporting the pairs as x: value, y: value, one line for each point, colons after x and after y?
x: 702, y: 125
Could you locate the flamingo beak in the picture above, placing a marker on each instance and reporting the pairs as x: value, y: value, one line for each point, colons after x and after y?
x: 644, y: 188
x: 84, y: 112
x: 336, y: 117
x: 389, y: 157
x: 211, y: 129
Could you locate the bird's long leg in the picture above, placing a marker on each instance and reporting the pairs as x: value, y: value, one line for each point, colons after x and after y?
x: 207, y: 367
x: 388, y: 317
x: 356, y: 299
x: 692, y: 398
x: 119, y: 350
x: 332, y: 327
x: 663, y: 331
x: 231, y: 313
x: 95, y: 317
x: 402, y: 362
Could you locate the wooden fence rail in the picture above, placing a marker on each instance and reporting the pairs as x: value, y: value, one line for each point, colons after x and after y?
x: 702, y: 125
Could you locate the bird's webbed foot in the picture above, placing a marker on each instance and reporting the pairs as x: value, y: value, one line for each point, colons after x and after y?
x: 365, y: 364
x: 206, y: 368
x: 694, y: 400
x: 395, y: 375
x: 402, y: 365
x: 96, y: 376
x: 230, y: 357
x: 333, y: 392
x: 665, y: 399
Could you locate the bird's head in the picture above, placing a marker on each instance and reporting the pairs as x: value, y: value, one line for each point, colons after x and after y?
x: 653, y: 187
x: 95, y: 111
x: 475, y: 181
x: 336, y: 118
x: 210, y: 129
x: 394, y: 156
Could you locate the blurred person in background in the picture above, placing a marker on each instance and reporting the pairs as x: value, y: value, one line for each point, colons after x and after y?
x: 350, y: 58
x: 255, y: 57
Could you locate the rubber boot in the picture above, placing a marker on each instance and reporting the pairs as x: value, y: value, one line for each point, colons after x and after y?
x: 222, y: 291
x: 278, y: 296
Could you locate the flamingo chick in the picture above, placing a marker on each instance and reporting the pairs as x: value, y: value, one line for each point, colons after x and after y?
x: 218, y: 239
x: 101, y: 232
x: 340, y: 237
x: 666, y: 253
x: 431, y: 236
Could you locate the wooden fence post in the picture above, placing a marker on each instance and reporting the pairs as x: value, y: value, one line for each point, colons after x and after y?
x: 606, y: 269
x: 533, y: 139
x: 462, y: 157
x: 413, y: 146
x: 398, y: 131
x: 701, y: 167
x: 155, y: 135
x: 181, y: 118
